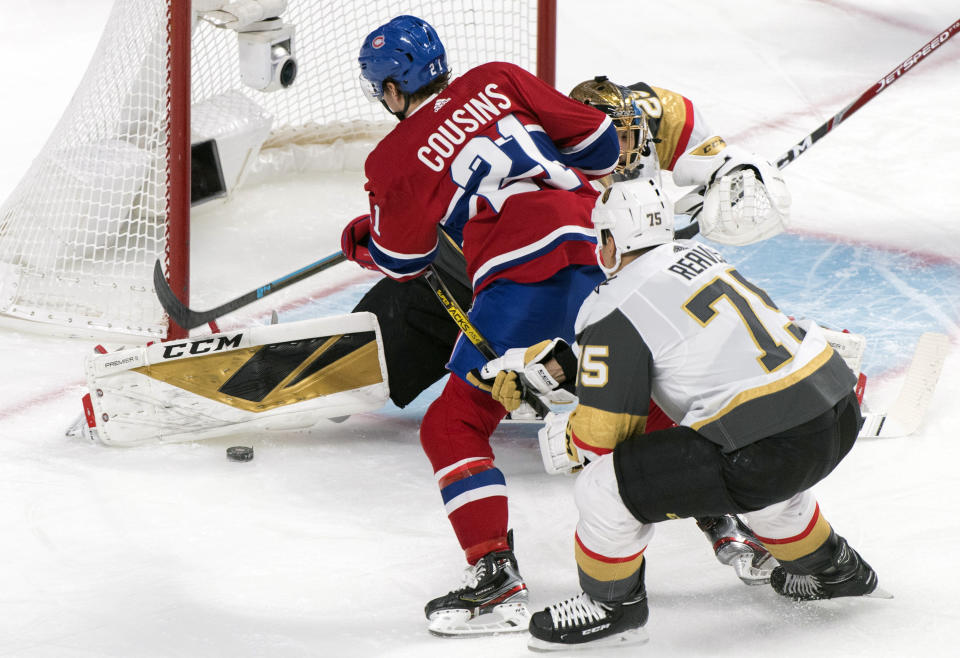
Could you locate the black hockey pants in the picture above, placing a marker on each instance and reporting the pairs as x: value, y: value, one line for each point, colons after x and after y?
x: 677, y: 473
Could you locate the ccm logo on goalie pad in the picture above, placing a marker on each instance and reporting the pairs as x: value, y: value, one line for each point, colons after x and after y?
x: 203, y: 346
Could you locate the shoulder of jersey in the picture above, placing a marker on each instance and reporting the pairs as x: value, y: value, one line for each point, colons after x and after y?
x: 483, y: 71
x: 604, y: 300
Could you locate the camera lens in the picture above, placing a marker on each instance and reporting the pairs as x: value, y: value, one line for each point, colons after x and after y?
x: 288, y: 73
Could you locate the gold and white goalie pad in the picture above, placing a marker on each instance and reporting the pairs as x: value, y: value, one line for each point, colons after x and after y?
x: 271, y: 378
x: 746, y: 198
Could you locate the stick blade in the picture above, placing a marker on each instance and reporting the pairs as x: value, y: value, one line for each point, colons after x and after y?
x: 168, y: 300
x: 909, y: 409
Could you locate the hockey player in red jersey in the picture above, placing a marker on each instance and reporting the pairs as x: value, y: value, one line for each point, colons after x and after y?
x: 766, y: 409
x: 501, y: 163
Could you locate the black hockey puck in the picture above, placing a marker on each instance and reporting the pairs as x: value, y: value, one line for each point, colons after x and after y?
x: 240, y: 453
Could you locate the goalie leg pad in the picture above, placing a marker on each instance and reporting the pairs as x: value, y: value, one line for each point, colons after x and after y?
x: 278, y: 377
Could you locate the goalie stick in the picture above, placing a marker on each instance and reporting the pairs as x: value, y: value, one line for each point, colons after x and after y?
x: 908, y: 410
x: 187, y: 318
x: 880, y: 85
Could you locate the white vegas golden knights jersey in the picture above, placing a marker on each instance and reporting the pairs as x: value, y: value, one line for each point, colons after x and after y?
x: 683, y: 327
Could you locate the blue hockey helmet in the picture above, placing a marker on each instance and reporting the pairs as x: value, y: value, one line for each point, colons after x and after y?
x: 406, y: 50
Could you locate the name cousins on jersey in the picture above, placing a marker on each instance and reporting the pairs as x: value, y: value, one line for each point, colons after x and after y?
x: 471, y: 117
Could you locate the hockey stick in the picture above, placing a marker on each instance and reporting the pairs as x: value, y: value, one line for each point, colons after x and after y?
x: 188, y: 318
x: 442, y: 291
x: 908, y: 410
x: 871, y: 93
x: 880, y: 85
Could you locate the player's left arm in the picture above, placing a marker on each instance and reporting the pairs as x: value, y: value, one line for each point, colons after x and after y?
x: 586, y: 137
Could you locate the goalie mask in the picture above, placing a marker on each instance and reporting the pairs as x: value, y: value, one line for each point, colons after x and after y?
x: 637, y: 214
x: 620, y: 104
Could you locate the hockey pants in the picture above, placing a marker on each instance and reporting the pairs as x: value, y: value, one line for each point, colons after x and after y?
x: 676, y: 473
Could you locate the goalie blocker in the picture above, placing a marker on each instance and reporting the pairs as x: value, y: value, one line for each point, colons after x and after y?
x: 273, y: 378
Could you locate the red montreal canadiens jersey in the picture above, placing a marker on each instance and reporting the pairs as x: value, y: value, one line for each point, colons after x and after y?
x: 502, y: 161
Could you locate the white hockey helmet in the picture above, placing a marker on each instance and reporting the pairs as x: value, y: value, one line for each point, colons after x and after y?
x: 638, y: 215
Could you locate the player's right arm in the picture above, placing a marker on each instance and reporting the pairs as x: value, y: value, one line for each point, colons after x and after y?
x: 613, y: 385
x: 401, y: 244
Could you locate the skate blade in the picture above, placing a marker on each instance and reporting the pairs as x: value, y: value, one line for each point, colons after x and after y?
x: 632, y: 637
x: 504, y: 618
x: 750, y: 574
x: 879, y: 593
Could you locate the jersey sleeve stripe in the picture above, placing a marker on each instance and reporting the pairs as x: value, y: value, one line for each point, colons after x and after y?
x: 599, y: 431
x: 598, y: 154
x: 531, y: 251
x: 604, y: 126
x: 597, y: 172
x: 398, y: 265
x: 684, y: 139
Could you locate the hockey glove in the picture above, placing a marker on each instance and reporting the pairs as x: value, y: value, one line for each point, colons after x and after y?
x: 746, y: 199
x: 521, y: 369
x: 740, y: 208
x: 559, y: 454
x: 354, y: 241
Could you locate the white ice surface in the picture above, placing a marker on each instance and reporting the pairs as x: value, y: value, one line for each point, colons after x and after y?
x: 330, y: 542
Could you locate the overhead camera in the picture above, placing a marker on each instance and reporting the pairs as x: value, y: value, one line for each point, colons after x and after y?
x: 267, y: 60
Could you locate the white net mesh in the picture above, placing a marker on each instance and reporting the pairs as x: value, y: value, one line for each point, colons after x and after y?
x: 80, y: 234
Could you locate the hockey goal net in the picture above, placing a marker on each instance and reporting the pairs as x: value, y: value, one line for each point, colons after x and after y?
x: 110, y: 192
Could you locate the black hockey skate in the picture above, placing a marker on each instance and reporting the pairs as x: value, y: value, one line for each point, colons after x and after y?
x: 492, y: 601
x: 581, y: 622
x: 849, y: 575
x: 735, y: 545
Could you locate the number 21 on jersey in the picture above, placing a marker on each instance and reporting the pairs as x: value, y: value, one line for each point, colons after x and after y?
x: 496, y: 169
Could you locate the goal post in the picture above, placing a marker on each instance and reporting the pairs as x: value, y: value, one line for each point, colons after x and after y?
x: 171, y: 115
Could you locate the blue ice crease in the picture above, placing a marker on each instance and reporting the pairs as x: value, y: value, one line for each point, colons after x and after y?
x: 890, y: 297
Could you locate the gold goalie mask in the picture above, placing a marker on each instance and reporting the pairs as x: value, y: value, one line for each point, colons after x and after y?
x: 620, y: 104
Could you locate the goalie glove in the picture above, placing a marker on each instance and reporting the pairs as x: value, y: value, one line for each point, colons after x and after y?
x: 557, y: 451
x: 521, y: 369
x: 746, y: 199
x: 740, y: 209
